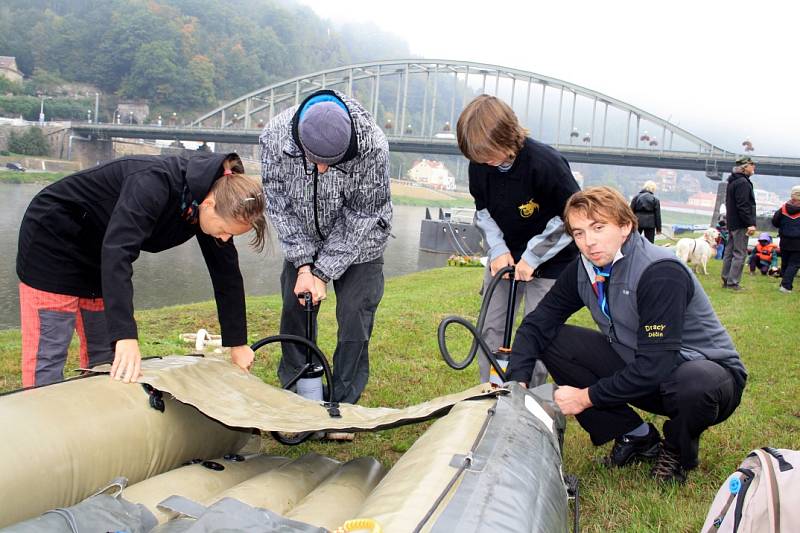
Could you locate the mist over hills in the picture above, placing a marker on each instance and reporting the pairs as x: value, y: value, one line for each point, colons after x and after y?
x: 192, y: 55
x: 185, y: 54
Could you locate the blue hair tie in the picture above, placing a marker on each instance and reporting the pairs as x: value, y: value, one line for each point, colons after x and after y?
x: 322, y: 98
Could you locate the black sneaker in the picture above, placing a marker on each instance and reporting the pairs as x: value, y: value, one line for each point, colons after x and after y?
x: 627, y: 448
x: 668, y: 467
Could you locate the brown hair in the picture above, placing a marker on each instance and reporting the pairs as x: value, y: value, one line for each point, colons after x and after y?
x: 488, y: 126
x: 601, y: 203
x: 241, y: 198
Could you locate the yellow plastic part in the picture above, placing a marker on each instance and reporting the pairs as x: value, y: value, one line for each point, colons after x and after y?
x: 359, y: 524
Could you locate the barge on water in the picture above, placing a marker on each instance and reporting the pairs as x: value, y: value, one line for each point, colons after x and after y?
x: 452, y: 232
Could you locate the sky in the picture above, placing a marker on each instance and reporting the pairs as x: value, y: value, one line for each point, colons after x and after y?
x: 724, y: 71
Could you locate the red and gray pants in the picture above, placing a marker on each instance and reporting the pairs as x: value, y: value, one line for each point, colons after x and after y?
x: 48, y: 321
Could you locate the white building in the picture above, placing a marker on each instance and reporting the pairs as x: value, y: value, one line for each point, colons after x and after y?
x: 432, y: 174
x: 667, y: 179
x: 702, y: 200
x: 766, y: 200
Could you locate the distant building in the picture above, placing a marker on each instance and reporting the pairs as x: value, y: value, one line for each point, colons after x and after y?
x: 433, y: 174
x: 766, y: 201
x: 700, y: 203
x: 9, y: 70
x: 666, y: 179
x: 702, y: 200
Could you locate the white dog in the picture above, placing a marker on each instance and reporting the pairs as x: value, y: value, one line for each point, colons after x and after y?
x: 698, y: 251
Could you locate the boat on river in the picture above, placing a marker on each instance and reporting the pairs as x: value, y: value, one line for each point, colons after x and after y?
x: 453, y: 231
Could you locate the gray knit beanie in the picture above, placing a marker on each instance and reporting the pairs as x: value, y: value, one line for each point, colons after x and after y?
x: 325, y: 131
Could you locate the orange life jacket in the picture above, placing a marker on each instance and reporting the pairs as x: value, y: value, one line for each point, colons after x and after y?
x: 764, y: 252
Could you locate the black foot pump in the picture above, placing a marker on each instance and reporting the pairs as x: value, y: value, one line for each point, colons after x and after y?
x: 309, y: 378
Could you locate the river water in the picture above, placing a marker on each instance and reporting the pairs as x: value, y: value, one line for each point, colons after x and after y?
x: 179, y: 275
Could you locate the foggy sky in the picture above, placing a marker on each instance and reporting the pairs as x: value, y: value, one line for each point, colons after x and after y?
x: 724, y: 71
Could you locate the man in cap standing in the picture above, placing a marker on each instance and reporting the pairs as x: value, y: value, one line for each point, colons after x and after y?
x: 325, y: 170
x: 740, y: 209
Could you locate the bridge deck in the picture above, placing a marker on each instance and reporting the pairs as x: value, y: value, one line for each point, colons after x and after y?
x: 652, y: 158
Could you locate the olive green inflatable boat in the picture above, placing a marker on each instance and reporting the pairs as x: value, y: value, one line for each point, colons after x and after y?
x: 169, y: 455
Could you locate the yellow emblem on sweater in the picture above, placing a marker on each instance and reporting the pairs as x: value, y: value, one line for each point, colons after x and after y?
x: 527, y: 209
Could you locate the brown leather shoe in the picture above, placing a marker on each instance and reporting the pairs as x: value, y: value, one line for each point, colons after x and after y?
x: 668, y: 467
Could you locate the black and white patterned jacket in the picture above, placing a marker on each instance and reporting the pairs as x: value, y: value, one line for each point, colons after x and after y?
x: 349, y: 220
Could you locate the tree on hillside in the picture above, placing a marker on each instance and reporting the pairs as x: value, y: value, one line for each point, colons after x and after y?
x: 30, y: 142
x: 121, y: 42
x: 155, y: 74
x: 196, y: 88
x: 15, y: 40
x: 236, y: 71
x: 149, y: 49
x: 43, y: 82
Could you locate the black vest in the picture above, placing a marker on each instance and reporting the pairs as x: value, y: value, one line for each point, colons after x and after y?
x: 704, y: 337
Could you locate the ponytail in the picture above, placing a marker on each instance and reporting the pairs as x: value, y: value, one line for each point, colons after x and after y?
x: 241, y: 198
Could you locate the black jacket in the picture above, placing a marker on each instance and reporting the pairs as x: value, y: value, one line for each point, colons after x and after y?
x: 541, y: 181
x: 81, y: 235
x: 647, y: 209
x: 740, y: 202
x: 787, y: 220
x: 648, y: 286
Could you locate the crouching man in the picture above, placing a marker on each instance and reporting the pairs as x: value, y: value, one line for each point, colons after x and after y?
x: 660, y: 348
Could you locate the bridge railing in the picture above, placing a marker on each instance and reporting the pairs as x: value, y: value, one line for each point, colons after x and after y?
x: 423, y: 98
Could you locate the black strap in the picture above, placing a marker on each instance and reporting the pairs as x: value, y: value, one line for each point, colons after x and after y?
x: 748, y: 478
x: 333, y: 409
x: 783, y: 464
x: 156, y: 399
x: 316, y: 214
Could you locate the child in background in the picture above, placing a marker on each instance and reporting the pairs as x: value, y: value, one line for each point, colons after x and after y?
x: 722, y: 240
x: 764, y: 256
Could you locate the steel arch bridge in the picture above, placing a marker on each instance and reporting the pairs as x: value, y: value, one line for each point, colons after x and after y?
x: 425, y: 98
x: 417, y: 102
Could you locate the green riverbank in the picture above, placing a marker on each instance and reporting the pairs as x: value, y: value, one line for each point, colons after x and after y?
x: 44, y: 178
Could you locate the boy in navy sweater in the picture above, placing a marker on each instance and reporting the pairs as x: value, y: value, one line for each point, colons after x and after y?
x: 520, y: 188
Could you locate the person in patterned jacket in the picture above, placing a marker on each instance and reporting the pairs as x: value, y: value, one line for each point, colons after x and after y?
x: 325, y: 170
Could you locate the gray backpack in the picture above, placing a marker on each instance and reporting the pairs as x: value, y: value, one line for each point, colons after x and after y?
x: 762, y: 495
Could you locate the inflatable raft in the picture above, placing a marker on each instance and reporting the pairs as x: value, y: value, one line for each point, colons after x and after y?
x: 168, y: 455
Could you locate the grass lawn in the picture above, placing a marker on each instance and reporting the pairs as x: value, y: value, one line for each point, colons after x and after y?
x: 422, y: 202
x: 407, y: 369
x: 12, y: 176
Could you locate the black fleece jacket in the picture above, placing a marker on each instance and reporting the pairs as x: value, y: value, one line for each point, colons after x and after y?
x: 787, y: 220
x: 81, y: 235
x: 740, y: 202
